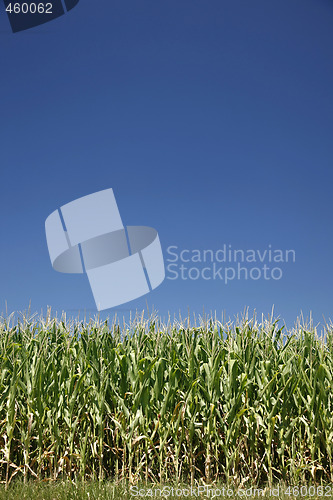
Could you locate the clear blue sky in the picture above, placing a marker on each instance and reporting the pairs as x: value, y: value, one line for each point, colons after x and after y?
x: 211, y: 120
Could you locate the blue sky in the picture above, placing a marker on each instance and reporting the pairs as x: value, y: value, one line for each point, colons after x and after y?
x: 212, y: 122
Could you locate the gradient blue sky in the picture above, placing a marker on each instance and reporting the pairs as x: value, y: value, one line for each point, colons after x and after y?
x: 211, y: 120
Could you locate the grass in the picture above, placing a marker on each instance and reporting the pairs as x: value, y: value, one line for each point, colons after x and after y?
x: 65, y: 490
x: 237, y: 403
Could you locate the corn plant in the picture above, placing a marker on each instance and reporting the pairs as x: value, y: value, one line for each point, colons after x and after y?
x: 242, y: 402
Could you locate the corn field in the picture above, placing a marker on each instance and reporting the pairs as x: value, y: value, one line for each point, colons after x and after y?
x: 242, y: 402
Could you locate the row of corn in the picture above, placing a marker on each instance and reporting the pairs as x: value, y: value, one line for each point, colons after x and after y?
x: 243, y: 402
